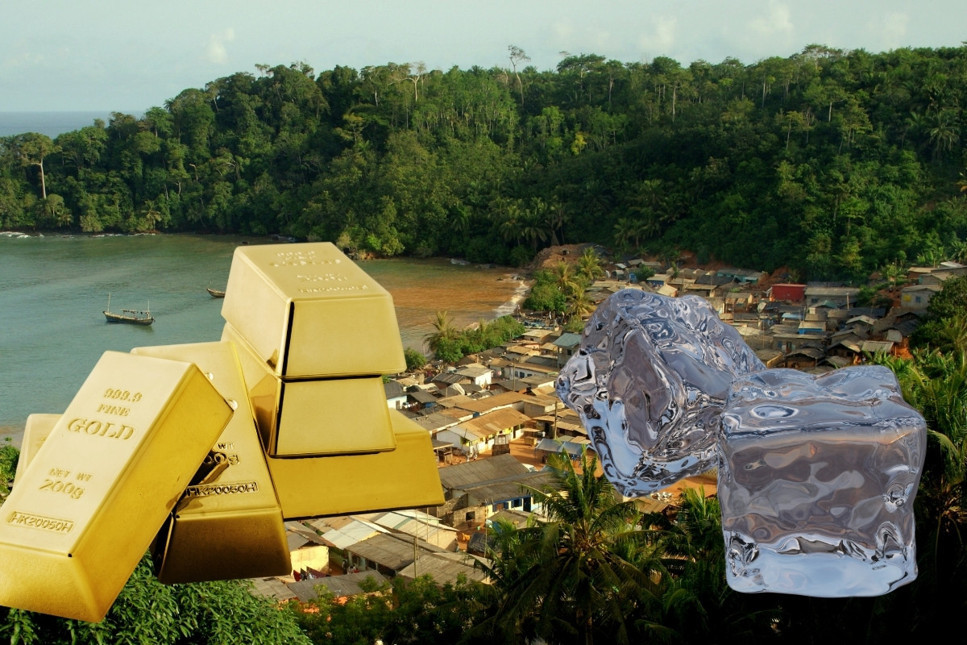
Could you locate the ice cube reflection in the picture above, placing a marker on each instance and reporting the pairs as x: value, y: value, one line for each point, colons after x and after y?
x: 819, y: 502
x: 649, y: 382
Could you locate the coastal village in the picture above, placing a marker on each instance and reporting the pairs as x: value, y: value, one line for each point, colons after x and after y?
x: 494, y: 416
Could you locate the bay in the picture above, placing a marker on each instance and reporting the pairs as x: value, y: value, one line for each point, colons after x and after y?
x: 53, y: 290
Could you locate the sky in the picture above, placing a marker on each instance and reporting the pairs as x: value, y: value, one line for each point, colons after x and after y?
x: 130, y: 55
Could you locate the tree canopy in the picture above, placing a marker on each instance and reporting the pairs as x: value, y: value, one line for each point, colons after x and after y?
x: 833, y: 163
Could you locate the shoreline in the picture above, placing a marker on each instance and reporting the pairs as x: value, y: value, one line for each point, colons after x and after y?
x: 83, y: 267
x: 13, y: 434
x: 512, y: 306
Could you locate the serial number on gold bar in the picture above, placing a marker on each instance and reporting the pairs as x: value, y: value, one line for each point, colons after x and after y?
x: 40, y: 522
x: 206, y: 490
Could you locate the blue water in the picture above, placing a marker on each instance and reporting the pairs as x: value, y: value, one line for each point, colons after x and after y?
x: 50, y: 123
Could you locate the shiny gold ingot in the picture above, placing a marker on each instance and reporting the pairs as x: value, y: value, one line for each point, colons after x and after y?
x: 298, y: 418
x: 37, y: 428
x: 309, y: 311
x: 93, y: 497
x: 228, y: 524
x: 403, y: 478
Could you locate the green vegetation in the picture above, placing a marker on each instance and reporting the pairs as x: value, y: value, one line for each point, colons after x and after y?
x: 545, y: 295
x: 586, y: 574
x: 450, y: 345
x: 832, y: 163
x: 563, y: 290
x: 945, y: 326
x: 415, y: 359
x: 401, y: 611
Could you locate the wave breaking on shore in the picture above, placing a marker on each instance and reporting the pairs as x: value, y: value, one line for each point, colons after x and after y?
x: 510, y: 307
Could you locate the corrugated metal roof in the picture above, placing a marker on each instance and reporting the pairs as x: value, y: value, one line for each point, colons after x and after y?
x: 568, y: 339
x: 473, y: 371
x: 838, y: 361
x: 393, y: 389
x: 273, y: 588
x: 488, y: 403
x: 421, y: 396
x: 563, y: 424
x: 348, y: 535
x: 448, y: 378
x: 516, y: 488
x: 877, y: 346
x: 809, y: 352
x: 494, y: 422
x: 475, y: 473
x: 443, y: 567
x: 573, y: 446
x: 426, y: 527
x: 435, y: 421
x: 389, y: 550
x: 340, y: 586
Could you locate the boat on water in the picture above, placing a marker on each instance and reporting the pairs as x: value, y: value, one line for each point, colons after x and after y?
x: 215, y: 293
x: 130, y: 316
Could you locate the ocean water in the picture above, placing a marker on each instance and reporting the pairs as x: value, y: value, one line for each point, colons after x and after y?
x: 49, y: 123
x: 53, y: 290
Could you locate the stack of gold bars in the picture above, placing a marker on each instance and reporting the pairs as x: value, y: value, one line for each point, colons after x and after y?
x: 199, y: 452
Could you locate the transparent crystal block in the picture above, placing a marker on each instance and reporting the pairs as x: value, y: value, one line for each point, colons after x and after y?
x: 649, y: 382
x: 817, y: 477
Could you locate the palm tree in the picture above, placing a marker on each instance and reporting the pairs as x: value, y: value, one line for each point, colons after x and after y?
x: 698, y: 599
x: 532, y: 229
x: 443, y: 330
x: 589, y: 266
x: 510, y: 216
x: 944, y: 133
x: 567, y: 282
x: 586, y: 574
x: 628, y: 232
x: 935, y: 382
x: 893, y: 273
x: 579, y: 305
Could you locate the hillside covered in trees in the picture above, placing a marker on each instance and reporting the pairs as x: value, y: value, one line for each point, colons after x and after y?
x: 831, y: 163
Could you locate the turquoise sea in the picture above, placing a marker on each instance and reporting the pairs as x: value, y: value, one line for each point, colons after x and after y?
x: 53, y: 290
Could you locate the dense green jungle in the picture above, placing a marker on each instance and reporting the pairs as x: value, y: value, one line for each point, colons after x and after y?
x: 830, y: 163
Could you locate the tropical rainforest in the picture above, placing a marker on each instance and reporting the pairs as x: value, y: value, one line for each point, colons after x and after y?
x: 830, y: 163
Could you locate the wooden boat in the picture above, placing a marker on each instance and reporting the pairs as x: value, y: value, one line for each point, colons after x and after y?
x: 215, y: 293
x: 130, y: 316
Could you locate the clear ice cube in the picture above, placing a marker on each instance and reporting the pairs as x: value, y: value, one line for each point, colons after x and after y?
x: 649, y: 382
x: 817, y: 477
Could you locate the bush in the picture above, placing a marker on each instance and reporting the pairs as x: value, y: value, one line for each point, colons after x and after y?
x: 414, y: 359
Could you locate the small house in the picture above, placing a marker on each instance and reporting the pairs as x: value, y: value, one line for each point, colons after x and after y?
x: 396, y: 398
x: 787, y: 292
x: 917, y: 296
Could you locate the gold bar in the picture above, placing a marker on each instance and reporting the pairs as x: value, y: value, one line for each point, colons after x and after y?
x: 228, y: 524
x: 298, y: 418
x: 36, y: 430
x: 93, y: 497
x: 403, y: 478
x: 309, y: 311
